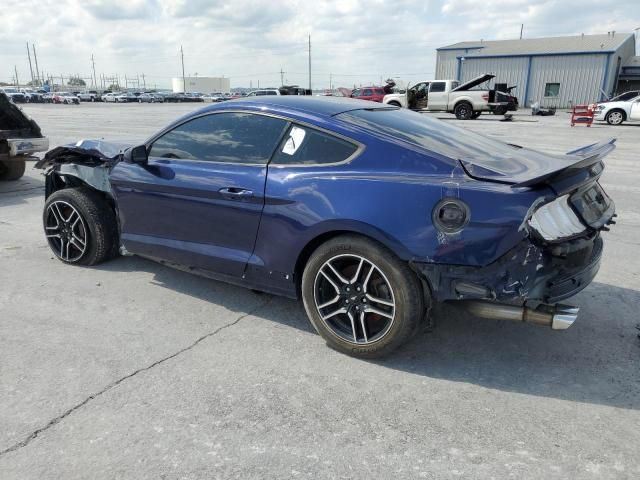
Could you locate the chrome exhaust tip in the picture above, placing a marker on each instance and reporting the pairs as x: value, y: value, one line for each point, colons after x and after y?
x: 564, y: 316
x: 558, y: 317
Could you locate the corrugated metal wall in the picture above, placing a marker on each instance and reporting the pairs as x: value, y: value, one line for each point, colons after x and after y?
x: 580, y: 78
x: 447, y: 64
x: 512, y: 70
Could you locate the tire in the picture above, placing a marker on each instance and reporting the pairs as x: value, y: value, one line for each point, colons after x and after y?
x: 395, y: 104
x: 500, y: 111
x: 475, y: 115
x: 80, y: 215
x: 615, y: 117
x: 12, y: 170
x: 397, y: 294
x: 463, y: 111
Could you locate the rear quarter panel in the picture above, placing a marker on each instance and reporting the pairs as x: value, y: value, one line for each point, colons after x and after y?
x: 388, y: 194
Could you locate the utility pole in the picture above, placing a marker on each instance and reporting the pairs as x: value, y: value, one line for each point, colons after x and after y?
x: 93, y: 65
x: 30, y: 67
x: 184, y: 82
x: 331, y: 82
x: 281, y: 77
x: 309, y: 61
x: 144, y: 82
x: 35, y: 58
x: 521, y: 29
x: 15, y: 69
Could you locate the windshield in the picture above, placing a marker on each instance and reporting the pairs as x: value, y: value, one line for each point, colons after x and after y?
x: 433, y: 135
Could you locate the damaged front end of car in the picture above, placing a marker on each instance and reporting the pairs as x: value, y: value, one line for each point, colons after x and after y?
x: 558, y: 256
x: 85, y: 163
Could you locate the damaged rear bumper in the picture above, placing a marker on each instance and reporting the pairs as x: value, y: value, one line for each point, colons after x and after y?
x: 528, y: 274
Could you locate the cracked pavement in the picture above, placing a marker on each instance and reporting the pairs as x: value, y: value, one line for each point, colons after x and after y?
x: 134, y: 370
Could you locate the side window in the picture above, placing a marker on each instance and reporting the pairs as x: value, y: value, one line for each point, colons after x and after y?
x: 437, y: 87
x: 271, y: 92
x: 304, y: 145
x: 222, y: 137
x: 552, y: 89
x: 367, y: 92
x: 355, y: 93
x: 379, y: 91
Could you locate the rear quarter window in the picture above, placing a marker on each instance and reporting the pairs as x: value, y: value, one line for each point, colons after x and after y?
x: 307, y: 146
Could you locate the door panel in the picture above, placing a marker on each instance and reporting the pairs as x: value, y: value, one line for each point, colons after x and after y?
x: 198, y: 201
x: 181, y: 211
x: 438, y: 97
x: 635, y: 110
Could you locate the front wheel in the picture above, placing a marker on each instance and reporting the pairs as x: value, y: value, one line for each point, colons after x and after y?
x: 360, y: 297
x: 614, y: 117
x: 463, y: 111
x: 80, y: 226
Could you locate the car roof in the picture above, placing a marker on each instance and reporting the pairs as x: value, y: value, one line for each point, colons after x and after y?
x: 319, y: 106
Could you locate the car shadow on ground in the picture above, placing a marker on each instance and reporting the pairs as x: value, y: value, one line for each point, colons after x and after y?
x: 596, y: 361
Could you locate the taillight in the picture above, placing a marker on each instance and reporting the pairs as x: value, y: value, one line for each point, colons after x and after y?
x: 485, y: 96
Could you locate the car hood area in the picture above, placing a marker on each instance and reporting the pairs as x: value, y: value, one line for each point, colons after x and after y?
x: 85, y: 152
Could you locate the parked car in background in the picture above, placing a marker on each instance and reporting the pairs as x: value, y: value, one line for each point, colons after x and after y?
x: 47, y: 97
x: 126, y: 97
x: 66, y: 98
x: 373, y: 94
x: 503, y: 230
x: 109, y: 97
x: 31, y: 95
x: 20, y: 138
x: 451, y: 96
x: 89, y: 96
x: 144, y: 98
x: 13, y: 94
x: 264, y: 92
x: 615, y: 113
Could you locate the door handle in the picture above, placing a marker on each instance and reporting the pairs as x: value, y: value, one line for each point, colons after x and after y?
x: 235, y: 192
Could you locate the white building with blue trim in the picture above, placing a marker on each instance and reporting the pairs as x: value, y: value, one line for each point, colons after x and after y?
x: 555, y: 71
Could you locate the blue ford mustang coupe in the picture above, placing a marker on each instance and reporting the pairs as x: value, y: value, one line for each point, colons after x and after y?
x: 366, y: 212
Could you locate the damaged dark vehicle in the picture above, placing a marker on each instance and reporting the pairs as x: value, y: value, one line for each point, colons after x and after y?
x: 20, y: 138
x: 367, y: 213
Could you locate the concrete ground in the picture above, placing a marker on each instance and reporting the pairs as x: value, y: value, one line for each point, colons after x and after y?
x: 131, y: 370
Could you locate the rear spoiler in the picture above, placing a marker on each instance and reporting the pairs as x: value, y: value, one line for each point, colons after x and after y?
x: 587, y: 156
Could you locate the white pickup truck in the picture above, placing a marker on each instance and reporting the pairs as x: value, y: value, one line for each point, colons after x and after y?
x: 451, y: 96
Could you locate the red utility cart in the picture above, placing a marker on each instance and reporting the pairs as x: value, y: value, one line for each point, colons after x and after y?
x: 582, y: 114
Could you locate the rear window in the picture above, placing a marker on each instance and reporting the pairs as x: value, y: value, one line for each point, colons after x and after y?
x: 431, y: 134
x: 379, y: 91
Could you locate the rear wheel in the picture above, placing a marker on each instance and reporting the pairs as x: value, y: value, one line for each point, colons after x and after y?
x: 463, y: 111
x: 80, y: 226
x: 12, y: 170
x: 394, y: 103
x: 360, y: 297
x: 475, y: 115
x: 500, y: 111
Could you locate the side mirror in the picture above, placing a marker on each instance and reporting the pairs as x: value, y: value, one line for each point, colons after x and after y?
x: 137, y: 155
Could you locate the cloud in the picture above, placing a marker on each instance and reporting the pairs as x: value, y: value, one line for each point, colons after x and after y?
x: 353, y: 41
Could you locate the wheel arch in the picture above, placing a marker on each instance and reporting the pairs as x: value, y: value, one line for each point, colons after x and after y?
x: 337, y: 229
x: 618, y: 109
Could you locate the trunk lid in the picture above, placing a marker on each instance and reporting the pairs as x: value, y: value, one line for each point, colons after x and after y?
x: 529, y: 168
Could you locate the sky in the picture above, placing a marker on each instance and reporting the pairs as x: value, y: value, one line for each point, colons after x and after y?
x: 352, y: 42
